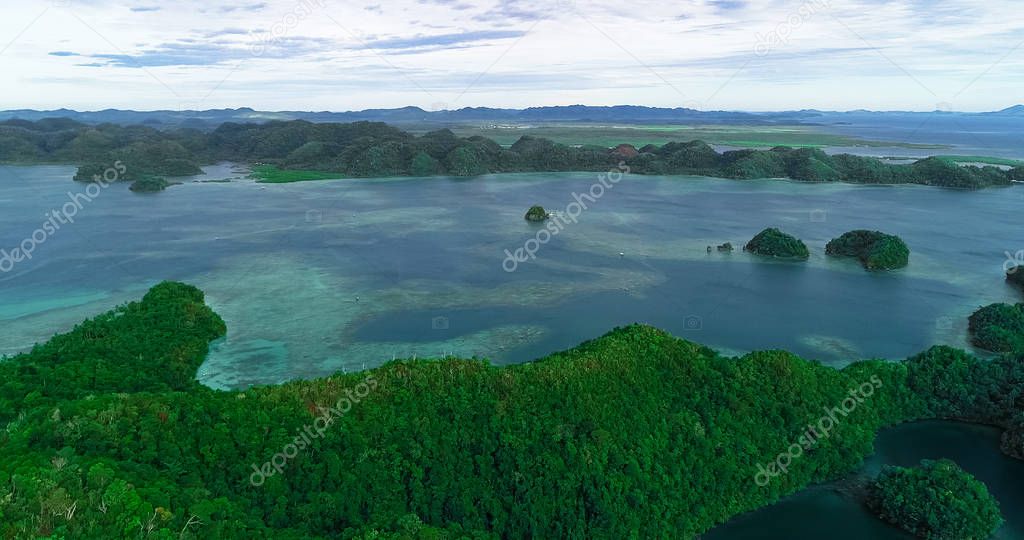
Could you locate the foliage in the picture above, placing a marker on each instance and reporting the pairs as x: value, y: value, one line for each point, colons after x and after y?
x: 956, y: 385
x: 536, y: 213
x: 149, y: 346
x: 269, y: 174
x: 811, y: 165
x: 374, y: 149
x: 635, y: 434
x: 876, y: 250
x: 423, y: 164
x: 775, y: 243
x: 151, y: 184
x: 936, y: 500
x: 998, y: 327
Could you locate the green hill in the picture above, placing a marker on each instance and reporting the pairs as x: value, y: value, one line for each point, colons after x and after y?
x: 299, y: 150
x: 633, y: 434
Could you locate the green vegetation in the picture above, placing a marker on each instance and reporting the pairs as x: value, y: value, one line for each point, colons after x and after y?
x: 536, y: 213
x: 775, y: 243
x: 641, y: 135
x: 109, y: 436
x: 986, y: 160
x: 141, y: 160
x: 998, y: 327
x: 151, y: 184
x: 936, y: 500
x: 373, y: 149
x: 876, y: 250
x: 270, y: 174
x: 155, y: 345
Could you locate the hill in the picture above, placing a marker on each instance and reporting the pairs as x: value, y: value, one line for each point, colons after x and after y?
x: 634, y: 434
x: 375, y: 149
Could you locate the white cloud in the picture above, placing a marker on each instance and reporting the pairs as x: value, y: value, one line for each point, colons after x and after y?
x: 320, y: 54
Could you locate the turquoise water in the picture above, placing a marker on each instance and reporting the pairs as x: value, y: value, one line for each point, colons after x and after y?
x: 318, y: 277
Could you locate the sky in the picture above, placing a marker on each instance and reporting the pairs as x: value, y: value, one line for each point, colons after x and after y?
x: 965, y: 55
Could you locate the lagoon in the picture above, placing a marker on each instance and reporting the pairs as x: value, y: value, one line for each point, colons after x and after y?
x: 317, y: 277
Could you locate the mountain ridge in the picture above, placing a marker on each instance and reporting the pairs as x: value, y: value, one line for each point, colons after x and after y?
x: 623, y: 114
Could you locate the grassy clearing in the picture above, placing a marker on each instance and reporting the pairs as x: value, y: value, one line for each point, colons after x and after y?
x: 986, y: 160
x: 270, y: 174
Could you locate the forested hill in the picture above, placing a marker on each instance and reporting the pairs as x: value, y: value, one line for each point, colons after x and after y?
x: 636, y: 434
x: 373, y: 149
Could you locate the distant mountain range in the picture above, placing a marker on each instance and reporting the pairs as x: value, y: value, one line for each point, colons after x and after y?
x: 1016, y: 110
x: 621, y: 114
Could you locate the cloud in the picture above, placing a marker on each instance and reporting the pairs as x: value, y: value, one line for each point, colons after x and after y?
x: 242, y: 7
x: 225, y: 32
x: 451, y: 4
x: 511, y: 10
x: 443, y: 39
x: 221, y: 46
x: 727, y: 5
x: 192, y: 53
x: 850, y: 54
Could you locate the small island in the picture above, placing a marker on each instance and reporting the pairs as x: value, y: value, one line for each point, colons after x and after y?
x: 876, y: 250
x: 536, y: 213
x: 935, y: 500
x: 150, y: 185
x: 775, y: 243
x: 998, y: 327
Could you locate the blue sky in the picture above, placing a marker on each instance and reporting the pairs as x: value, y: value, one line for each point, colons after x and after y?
x: 357, y: 54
